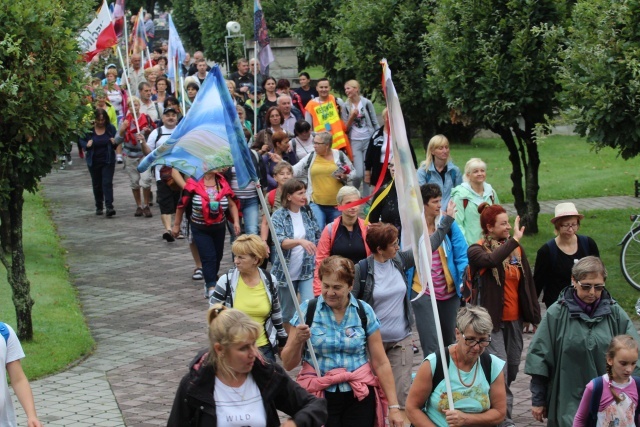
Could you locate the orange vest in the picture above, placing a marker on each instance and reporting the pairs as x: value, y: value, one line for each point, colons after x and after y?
x: 325, y: 117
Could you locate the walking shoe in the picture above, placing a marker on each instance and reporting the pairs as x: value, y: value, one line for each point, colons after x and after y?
x: 99, y: 211
x: 197, y: 274
x: 147, y: 212
x: 168, y: 237
x: 207, y: 291
x: 138, y: 212
x: 110, y: 212
x: 119, y: 159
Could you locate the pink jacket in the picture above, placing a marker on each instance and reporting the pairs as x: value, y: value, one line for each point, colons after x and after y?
x: 326, y: 242
x: 358, y: 380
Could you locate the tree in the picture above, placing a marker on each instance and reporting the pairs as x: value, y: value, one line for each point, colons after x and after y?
x: 187, y: 24
x: 41, y: 99
x: 495, y: 61
x: 348, y: 39
x: 600, y: 76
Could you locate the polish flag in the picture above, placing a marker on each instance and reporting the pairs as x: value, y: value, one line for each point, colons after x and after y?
x: 99, y: 35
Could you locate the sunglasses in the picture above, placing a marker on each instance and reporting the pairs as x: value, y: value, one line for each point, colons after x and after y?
x: 587, y: 287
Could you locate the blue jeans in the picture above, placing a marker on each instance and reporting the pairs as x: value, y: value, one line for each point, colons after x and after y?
x: 102, y: 182
x: 210, y: 243
x: 250, y: 217
x: 267, y: 352
x: 303, y: 287
x: 324, y: 214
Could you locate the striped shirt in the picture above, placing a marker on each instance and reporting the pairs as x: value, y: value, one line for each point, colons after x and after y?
x: 248, y: 192
x: 339, y: 345
x: 196, y: 209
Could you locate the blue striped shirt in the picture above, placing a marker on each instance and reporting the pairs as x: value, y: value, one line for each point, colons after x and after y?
x: 339, y: 345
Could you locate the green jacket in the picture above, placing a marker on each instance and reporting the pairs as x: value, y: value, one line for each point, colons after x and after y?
x: 568, y: 350
x: 468, y: 218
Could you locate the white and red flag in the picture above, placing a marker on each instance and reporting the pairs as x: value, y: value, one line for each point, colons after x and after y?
x: 99, y: 35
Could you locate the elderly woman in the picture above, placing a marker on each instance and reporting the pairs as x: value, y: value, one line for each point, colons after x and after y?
x: 231, y: 378
x: 342, y: 330
x: 557, y: 257
x: 505, y: 288
x: 327, y: 171
x: 361, y: 122
x: 438, y: 167
x: 252, y: 290
x: 469, y: 195
x: 479, y: 397
x: 297, y: 233
x: 570, y: 345
x: 345, y: 236
x: 381, y: 281
x: 449, y: 261
x: 208, y: 200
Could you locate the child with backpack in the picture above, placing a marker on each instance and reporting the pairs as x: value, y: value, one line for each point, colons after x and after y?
x: 612, y: 399
x: 10, y: 355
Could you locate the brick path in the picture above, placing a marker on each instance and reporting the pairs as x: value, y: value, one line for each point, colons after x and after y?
x: 146, y: 315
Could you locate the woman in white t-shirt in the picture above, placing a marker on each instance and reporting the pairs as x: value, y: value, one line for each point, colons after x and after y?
x: 232, y: 385
x: 297, y: 233
x: 477, y: 380
x: 360, y: 119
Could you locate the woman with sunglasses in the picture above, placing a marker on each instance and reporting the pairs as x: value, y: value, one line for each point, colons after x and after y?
x: 555, y: 258
x: 477, y: 379
x: 569, y: 348
x: 499, y: 267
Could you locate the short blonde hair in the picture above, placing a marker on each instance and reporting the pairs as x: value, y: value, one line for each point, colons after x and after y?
x: 475, y: 316
x: 148, y: 71
x: 228, y: 326
x: 112, y: 71
x: 133, y: 99
x: 472, y: 164
x: 345, y: 191
x: 250, y: 244
x: 435, y: 142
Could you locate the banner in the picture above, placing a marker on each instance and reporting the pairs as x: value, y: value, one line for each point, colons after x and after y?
x: 99, y: 35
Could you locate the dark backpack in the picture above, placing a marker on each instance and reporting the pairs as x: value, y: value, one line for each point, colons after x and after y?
x: 595, y: 401
x: 465, y: 202
x: 438, y: 374
x: 364, y: 268
x: 471, y: 285
x: 583, y: 242
x: 4, y: 331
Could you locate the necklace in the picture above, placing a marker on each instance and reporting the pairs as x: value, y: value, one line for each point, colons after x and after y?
x: 455, y: 361
x: 240, y: 391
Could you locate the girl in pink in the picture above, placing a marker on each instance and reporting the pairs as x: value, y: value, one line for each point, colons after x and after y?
x: 617, y: 389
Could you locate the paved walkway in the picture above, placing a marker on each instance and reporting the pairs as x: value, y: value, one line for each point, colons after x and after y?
x: 146, y: 315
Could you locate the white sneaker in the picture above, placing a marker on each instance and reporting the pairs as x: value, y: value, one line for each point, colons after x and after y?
x: 119, y: 159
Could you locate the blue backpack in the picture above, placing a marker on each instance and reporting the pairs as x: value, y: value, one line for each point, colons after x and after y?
x: 4, y: 331
x: 597, y: 395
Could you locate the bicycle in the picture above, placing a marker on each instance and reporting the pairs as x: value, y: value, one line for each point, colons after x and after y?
x: 630, y: 254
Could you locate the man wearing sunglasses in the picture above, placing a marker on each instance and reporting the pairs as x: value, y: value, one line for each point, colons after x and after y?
x: 570, y: 344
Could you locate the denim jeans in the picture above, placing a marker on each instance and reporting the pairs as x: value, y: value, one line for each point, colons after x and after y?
x: 267, y: 352
x: 359, y: 150
x: 210, y: 243
x: 250, y: 217
x: 102, y: 182
x: 324, y: 214
x: 303, y: 287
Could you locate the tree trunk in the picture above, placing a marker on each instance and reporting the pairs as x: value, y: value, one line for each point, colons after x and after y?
x: 516, y: 169
x: 17, y: 276
x: 5, y: 231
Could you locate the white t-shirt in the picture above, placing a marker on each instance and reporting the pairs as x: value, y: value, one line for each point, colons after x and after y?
x: 388, y: 299
x: 239, y: 406
x: 297, y: 253
x: 154, y: 142
x: 10, y: 351
x: 359, y: 125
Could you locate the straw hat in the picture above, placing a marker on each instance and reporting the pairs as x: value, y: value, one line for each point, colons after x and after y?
x: 565, y: 209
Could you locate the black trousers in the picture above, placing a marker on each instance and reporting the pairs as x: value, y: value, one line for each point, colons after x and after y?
x: 346, y: 410
x: 102, y: 181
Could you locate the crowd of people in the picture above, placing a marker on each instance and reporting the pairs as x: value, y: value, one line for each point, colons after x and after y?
x: 358, y: 293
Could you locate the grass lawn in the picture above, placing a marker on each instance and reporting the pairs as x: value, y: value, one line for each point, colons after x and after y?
x: 568, y: 168
x: 607, y: 228
x: 61, y: 335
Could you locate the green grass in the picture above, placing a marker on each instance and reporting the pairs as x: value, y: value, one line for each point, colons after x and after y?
x: 61, y: 335
x: 568, y: 168
x: 315, y: 72
x: 607, y: 228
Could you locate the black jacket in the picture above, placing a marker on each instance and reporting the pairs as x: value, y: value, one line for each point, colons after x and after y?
x: 194, y: 405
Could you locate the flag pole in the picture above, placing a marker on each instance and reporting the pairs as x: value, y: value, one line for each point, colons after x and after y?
x: 126, y: 37
x: 255, y: 89
x: 182, y: 92
x: 287, y: 277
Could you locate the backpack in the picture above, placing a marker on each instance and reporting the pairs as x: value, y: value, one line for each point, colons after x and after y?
x: 597, y: 395
x: 311, y: 311
x: 583, y: 242
x: 438, y: 374
x: 364, y: 267
x: 465, y: 202
x: 271, y: 197
x: 4, y: 331
x: 471, y: 285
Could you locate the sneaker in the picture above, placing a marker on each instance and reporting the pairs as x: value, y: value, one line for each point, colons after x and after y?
x: 138, y: 212
x: 207, y: 291
x: 119, y: 159
x: 197, y: 274
x: 147, y: 212
x: 110, y: 212
x: 99, y: 211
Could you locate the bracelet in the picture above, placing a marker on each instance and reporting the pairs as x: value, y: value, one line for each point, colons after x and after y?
x: 393, y: 407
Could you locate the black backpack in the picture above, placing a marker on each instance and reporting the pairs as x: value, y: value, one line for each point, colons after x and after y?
x: 438, y: 375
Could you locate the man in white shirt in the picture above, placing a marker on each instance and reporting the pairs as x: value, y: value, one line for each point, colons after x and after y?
x: 168, y: 194
x: 147, y: 106
x: 10, y: 355
x: 135, y: 73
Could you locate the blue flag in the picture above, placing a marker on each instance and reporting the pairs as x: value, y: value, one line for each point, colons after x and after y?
x: 210, y: 137
x: 176, y: 50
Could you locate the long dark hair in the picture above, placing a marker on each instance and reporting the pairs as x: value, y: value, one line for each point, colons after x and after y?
x: 101, y: 113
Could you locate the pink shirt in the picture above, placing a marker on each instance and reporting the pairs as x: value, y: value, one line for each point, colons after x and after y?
x: 620, y: 414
